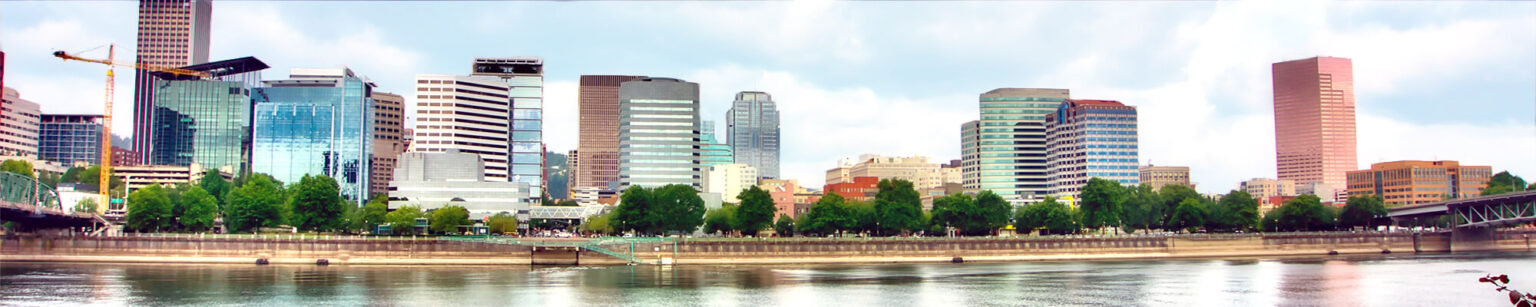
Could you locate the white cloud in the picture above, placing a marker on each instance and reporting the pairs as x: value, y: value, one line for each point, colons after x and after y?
x: 263, y: 31
x: 1504, y: 146
x: 561, y: 116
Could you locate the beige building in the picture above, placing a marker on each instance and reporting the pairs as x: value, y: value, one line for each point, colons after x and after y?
x: 729, y: 180
x: 388, y: 132
x: 18, y: 125
x: 140, y: 176
x: 1265, y: 190
x: 1159, y: 176
x: 918, y: 169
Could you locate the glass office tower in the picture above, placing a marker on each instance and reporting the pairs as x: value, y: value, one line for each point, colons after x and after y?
x: 525, y: 90
x: 70, y: 138
x: 319, y: 122
x: 207, y: 122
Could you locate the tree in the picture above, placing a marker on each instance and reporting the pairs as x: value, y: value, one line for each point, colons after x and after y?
x: 635, y: 211
x: 1237, y: 210
x: 972, y: 217
x: 371, y: 214
x: 149, y: 210
x: 865, y: 217
x: 785, y: 227
x: 316, y: 203
x: 1049, y: 215
x: 1172, y: 195
x: 403, y: 221
x: 1362, y: 211
x: 446, y: 220
x: 19, y: 167
x: 1504, y: 182
x: 1303, y: 213
x: 257, y: 203
x: 87, y: 204
x: 756, y: 211
x: 1187, y: 216
x: 720, y: 220
x: 827, y: 216
x: 1143, y: 209
x: 1101, y: 205
x: 214, y: 183
x: 199, y: 210
x: 672, y: 207
x: 72, y: 175
x: 600, y: 224
x: 91, y: 176
x: 898, y: 207
x: 502, y: 223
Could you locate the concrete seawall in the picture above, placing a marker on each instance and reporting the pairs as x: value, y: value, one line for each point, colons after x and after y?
x: 704, y: 251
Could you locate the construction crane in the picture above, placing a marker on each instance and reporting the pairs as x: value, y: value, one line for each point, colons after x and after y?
x: 104, y: 185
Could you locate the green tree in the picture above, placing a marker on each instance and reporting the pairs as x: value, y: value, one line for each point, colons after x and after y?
x: 72, y: 175
x: 214, y: 183
x: 502, y: 223
x: 316, y: 204
x: 1172, y: 195
x: 1362, y: 211
x: 720, y: 220
x: 599, y: 224
x: 972, y: 217
x: 87, y: 204
x: 1303, y: 213
x: 636, y: 211
x: 91, y: 176
x: 827, y: 216
x: 785, y: 227
x: 23, y: 168
x: 1049, y: 216
x: 865, y: 217
x: 1189, y: 215
x: 403, y: 221
x: 446, y: 220
x: 756, y: 211
x: 199, y: 210
x: 149, y: 210
x: 1101, y: 205
x: 371, y: 214
x: 898, y: 207
x: 49, y: 179
x: 673, y: 207
x: 1143, y: 209
x: 1237, y: 210
x: 257, y: 203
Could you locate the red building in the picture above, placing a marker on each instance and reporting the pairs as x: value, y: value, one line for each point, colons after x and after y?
x: 1314, y: 120
x: 124, y: 157
x: 861, y: 189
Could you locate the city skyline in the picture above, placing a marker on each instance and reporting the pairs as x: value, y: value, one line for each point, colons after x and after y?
x: 1212, y: 114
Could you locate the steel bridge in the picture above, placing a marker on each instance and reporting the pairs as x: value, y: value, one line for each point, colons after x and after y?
x: 34, y: 205
x: 1486, y: 211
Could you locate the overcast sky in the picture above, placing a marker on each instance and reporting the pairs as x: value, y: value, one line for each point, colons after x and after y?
x: 1434, y: 80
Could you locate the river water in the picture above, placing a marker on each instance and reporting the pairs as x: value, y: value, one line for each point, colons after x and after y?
x: 1372, y: 280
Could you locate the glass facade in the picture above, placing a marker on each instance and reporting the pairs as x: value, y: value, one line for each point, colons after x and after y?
x: 712, y: 152
x: 658, y: 148
x: 753, y: 125
x: 1005, y: 151
x: 203, y: 122
x: 70, y: 138
x: 313, y: 130
x: 527, y: 94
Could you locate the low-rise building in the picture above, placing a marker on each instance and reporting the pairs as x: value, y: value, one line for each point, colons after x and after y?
x: 729, y: 179
x: 1265, y: 189
x: 1418, y: 182
x: 1160, y: 176
x: 432, y: 180
x: 860, y: 189
x: 783, y: 192
x: 140, y: 176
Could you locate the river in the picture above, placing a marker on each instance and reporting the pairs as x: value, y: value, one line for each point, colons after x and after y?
x: 1359, y: 280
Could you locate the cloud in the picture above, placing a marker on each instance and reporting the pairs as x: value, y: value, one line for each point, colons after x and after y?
x: 263, y: 31
x: 561, y: 116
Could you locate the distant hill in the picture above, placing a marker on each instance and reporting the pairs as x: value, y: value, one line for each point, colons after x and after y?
x: 554, y: 165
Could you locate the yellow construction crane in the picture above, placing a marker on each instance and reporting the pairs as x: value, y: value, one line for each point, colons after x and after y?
x: 104, y: 185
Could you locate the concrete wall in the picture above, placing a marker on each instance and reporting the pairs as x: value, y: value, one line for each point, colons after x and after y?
x: 224, y: 250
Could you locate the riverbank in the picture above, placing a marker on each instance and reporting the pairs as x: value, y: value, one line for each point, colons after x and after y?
x: 426, y: 251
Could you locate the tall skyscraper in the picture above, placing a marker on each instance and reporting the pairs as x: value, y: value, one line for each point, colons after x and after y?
x: 207, y: 122
x: 70, y: 138
x: 659, y: 133
x: 1006, y: 152
x: 467, y: 113
x: 388, y: 117
x: 753, y: 126
x: 172, y: 33
x: 525, y: 95
x: 1314, y: 120
x: 1091, y: 138
x: 598, y: 143
x: 318, y: 122
x: 18, y: 126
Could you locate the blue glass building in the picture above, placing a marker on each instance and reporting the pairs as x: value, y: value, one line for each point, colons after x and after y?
x: 1092, y: 139
x: 712, y: 151
x: 319, y: 122
x: 70, y: 138
x: 204, y: 121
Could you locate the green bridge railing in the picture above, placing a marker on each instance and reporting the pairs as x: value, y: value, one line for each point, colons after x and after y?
x: 23, y: 189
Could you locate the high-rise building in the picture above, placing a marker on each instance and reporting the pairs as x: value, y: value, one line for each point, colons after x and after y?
x: 598, y: 143
x: 659, y: 133
x: 172, y: 33
x: 466, y: 113
x: 1159, y: 176
x: 729, y: 180
x: 1417, y: 182
x: 1006, y: 153
x: 18, y: 124
x: 573, y: 163
x: 1088, y: 139
x: 753, y: 126
x: 204, y: 121
x: 713, y: 152
x: 1314, y: 120
x: 70, y: 138
x: 525, y: 94
x: 388, y: 120
x: 318, y: 122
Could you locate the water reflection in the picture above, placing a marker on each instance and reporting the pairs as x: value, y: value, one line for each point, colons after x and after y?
x: 1341, y: 281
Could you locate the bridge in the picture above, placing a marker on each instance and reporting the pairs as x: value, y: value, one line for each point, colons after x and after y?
x: 617, y: 247
x: 34, y: 205
x: 1486, y: 211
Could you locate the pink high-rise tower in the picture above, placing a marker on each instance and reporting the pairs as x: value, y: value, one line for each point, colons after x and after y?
x: 1314, y: 120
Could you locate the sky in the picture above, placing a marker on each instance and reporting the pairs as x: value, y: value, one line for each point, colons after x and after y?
x: 1434, y: 80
